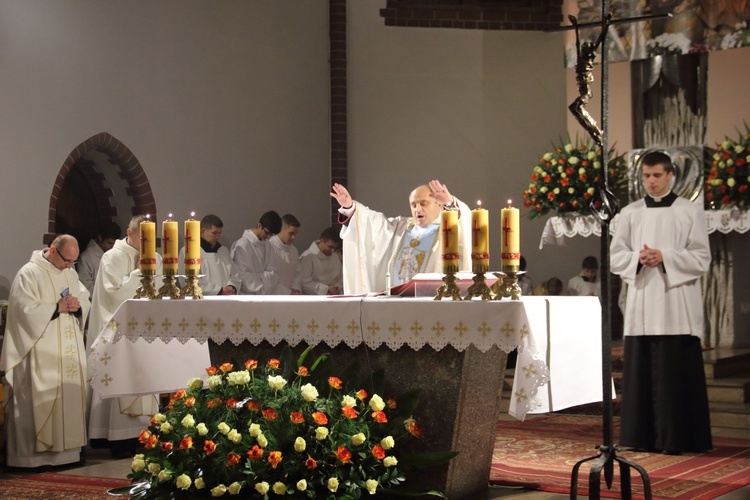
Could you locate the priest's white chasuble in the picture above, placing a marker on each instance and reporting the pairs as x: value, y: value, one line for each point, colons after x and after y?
x: 375, y: 245
x: 44, y: 360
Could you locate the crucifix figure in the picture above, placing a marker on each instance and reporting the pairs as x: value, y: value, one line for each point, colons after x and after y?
x: 586, y: 53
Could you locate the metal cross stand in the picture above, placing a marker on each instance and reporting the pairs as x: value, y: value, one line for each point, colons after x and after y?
x: 610, y: 206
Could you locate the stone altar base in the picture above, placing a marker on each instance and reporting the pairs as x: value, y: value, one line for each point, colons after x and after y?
x: 458, y: 406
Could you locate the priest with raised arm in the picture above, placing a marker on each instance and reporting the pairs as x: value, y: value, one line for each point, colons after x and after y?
x: 376, y: 245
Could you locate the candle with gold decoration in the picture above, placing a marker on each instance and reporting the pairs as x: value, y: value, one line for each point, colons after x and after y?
x: 148, y: 246
x: 169, y: 246
x: 480, y: 240
x: 449, y: 240
x: 510, y: 248
x: 192, y: 246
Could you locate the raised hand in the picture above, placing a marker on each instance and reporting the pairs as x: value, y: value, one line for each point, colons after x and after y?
x: 440, y: 193
x: 341, y: 195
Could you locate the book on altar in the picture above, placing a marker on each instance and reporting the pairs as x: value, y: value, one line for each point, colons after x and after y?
x: 427, y: 284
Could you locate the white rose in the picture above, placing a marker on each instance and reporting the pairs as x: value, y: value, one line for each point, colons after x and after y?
x: 591, y: 155
x: 276, y: 382
x: 563, y: 175
x: 163, y: 476
x: 348, y: 401
x: 166, y: 427
x: 299, y: 444
x: 597, y: 165
x: 571, y: 190
x: 730, y: 162
x: 371, y: 486
x: 387, y: 442
x: 377, y: 403
x: 188, y: 421
x: 390, y: 461
x: 159, y: 418
x: 234, y: 488
x: 321, y: 433
x: 301, y: 485
x: 234, y: 436
x: 568, y: 148
x: 262, y: 488
x: 224, y: 428
x: 239, y: 378
x: 556, y: 190
x: 202, y: 429
x: 358, y: 439
x: 262, y: 441
x: 726, y: 144
x: 154, y: 468
x: 717, y: 182
x: 560, y: 168
x: 543, y: 189
x: 139, y: 463
x: 218, y: 490
x: 547, y: 156
x: 195, y: 383
x: 279, y: 488
x: 183, y: 481
x: 581, y: 171
x: 254, y: 430
x: 573, y: 160
x: 214, y: 381
x: 333, y: 484
x: 200, y: 483
x: 309, y: 392
x: 731, y: 182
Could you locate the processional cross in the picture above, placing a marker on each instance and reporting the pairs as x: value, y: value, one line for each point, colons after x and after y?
x: 586, y: 54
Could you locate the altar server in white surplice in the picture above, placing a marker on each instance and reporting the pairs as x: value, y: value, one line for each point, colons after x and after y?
x: 253, y: 259
x: 660, y: 249
x: 286, y: 257
x: 218, y: 275
x: 44, y: 359
x: 402, y: 246
x: 119, y: 420
x: 320, y: 265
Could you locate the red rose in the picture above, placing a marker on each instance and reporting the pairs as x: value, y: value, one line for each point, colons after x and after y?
x: 166, y: 447
x: 320, y: 418
x: 349, y: 412
x: 270, y: 414
x: 378, y: 452
x: 343, y: 455
x: 231, y: 403
x: 296, y: 418
x: 209, y: 447
x: 255, y: 453
x: 379, y: 417
x: 233, y: 459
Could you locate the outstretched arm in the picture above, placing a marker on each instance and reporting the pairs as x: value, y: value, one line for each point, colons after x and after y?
x: 342, y: 196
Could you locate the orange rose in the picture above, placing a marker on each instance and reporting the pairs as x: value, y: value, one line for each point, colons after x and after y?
x: 166, y: 447
x: 151, y: 442
x: 270, y: 414
x: 296, y: 417
x: 343, y: 454
x: 226, y: 367
x: 212, y: 370
x: 311, y: 464
x: 274, y: 458
x: 349, y: 412
x: 334, y: 382
x: 213, y: 403
x: 273, y: 364
x: 144, y: 435
x: 190, y: 402
x: 179, y: 394
x: 361, y: 394
x: 233, y: 459
x: 379, y: 417
x: 378, y: 452
x: 251, y: 364
x: 231, y: 403
x: 413, y: 428
x: 209, y: 447
x: 392, y: 404
x: 303, y: 371
x: 253, y: 405
x: 255, y: 453
x: 186, y: 443
x: 320, y: 418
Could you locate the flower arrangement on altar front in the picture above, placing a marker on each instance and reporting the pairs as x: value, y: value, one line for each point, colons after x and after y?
x: 727, y: 178
x: 250, y: 432
x: 568, y: 179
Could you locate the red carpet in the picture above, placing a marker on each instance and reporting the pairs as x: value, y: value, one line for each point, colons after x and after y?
x: 540, y: 454
x: 54, y: 486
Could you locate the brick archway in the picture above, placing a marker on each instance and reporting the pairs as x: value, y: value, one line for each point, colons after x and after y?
x: 130, y: 171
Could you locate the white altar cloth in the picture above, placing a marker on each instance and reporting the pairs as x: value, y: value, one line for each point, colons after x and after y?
x: 156, y: 346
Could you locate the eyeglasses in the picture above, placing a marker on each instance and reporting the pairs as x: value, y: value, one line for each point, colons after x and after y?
x: 67, y: 261
x: 267, y: 232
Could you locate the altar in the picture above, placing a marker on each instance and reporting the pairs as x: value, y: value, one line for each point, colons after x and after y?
x: 454, y: 352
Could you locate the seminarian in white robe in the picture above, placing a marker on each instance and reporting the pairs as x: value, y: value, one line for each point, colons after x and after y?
x: 117, y: 419
x: 375, y: 245
x: 664, y: 402
x: 88, y: 265
x: 254, y: 263
x: 44, y: 360
x: 217, y: 269
x: 286, y: 262
x: 318, y: 271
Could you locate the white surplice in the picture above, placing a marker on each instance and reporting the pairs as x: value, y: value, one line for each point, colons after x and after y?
x: 44, y: 361
x: 217, y: 270
x: 371, y: 241
x: 286, y: 262
x: 88, y: 265
x: 663, y: 300
x: 318, y: 271
x: 579, y: 286
x: 118, y: 279
x: 254, y: 264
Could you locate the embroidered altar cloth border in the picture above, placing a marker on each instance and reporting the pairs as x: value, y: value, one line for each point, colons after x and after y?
x: 557, y: 228
x: 158, y: 345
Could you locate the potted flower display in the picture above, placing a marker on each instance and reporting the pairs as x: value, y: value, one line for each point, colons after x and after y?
x: 728, y: 175
x: 567, y: 179
x: 265, y: 430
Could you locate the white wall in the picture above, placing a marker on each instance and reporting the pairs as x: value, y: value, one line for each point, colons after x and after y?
x: 225, y: 105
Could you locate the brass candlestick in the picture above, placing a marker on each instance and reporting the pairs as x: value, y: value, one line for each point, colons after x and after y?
x: 479, y: 288
x: 507, y: 283
x: 191, y: 289
x: 147, y: 289
x: 449, y: 288
x: 169, y: 290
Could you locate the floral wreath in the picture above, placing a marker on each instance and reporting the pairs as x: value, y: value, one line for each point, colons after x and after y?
x: 727, y: 177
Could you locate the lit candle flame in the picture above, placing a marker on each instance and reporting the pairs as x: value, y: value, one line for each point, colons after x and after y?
x: 170, y: 215
x: 148, y: 216
x: 192, y: 214
x: 510, y: 203
x: 479, y: 203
